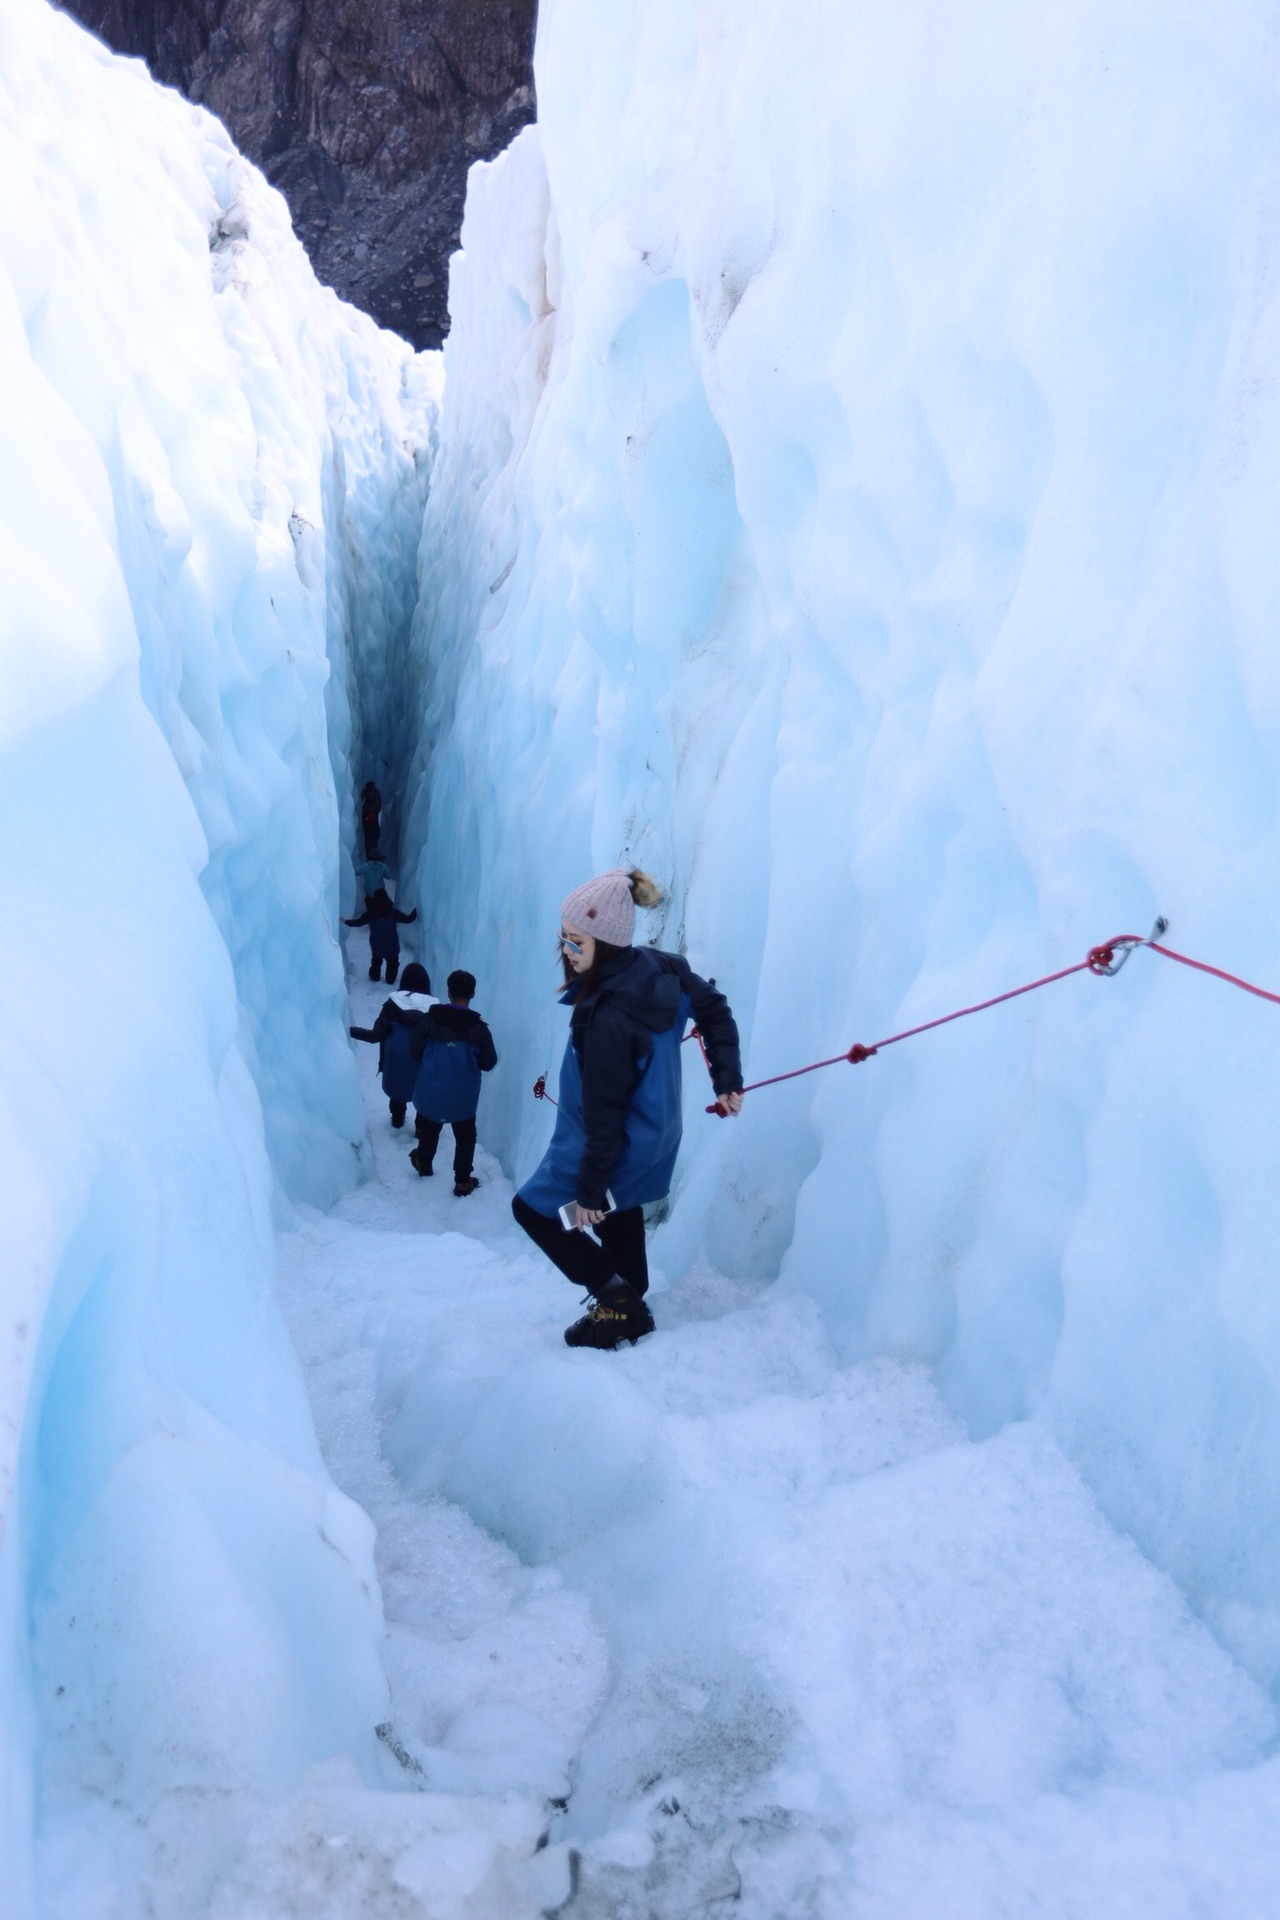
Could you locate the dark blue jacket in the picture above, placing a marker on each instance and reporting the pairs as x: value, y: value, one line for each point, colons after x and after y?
x: 392, y: 1031
x: 619, y: 1120
x: 452, y: 1047
x: 381, y: 915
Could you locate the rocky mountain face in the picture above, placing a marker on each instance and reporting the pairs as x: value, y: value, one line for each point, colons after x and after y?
x: 365, y: 113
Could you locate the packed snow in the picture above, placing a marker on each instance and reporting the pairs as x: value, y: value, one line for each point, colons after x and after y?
x: 725, y: 1620
x: 848, y: 495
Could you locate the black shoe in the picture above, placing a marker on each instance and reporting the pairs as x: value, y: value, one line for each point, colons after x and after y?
x: 463, y: 1187
x: 420, y: 1164
x: 375, y: 970
x: 618, y: 1315
x: 397, y: 1115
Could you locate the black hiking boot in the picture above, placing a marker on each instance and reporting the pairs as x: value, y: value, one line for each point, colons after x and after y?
x: 616, y: 1316
x: 465, y: 1186
x: 398, y: 1112
x: 420, y: 1163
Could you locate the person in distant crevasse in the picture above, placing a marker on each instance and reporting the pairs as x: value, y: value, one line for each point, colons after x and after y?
x: 382, y: 917
x: 454, y: 1047
x: 618, y: 1122
x: 391, y: 1031
x: 373, y: 876
x: 370, y: 819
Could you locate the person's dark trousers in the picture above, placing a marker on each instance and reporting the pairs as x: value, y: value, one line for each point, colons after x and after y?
x: 398, y: 1110
x: 372, y: 835
x: 464, y: 1144
x: 375, y: 969
x: 620, y: 1254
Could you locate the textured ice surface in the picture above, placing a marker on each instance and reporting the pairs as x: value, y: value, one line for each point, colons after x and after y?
x: 203, y: 460
x: 855, y: 503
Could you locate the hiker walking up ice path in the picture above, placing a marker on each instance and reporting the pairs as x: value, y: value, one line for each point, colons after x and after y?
x: 391, y: 1032
x: 618, y: 1120
x: 383, y: 918
x: 371, y: 820
x: 451, y: 1049
x: 373, y: 875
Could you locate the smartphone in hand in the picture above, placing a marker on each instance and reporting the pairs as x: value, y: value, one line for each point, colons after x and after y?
x: 570, y: 1225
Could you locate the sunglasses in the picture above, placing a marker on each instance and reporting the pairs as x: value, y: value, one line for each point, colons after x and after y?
x: 570, y: 946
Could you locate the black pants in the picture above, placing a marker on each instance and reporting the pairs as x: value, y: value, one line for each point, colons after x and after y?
x: 464, y: 1143
x: 620, y: 1254
x: 393, y: 967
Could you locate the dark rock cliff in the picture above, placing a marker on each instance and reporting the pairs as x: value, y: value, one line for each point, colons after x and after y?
x: 365, y: 113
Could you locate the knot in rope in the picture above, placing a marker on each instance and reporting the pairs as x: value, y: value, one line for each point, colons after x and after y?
x: 858, y: 1053
x: 1112, y: 954
x: 540, y: 1087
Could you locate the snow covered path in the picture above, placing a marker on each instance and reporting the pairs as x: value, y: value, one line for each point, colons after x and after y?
x: 729, y: 1622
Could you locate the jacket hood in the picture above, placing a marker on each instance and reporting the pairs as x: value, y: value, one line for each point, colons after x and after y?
x: 455, y: 1020
x: 413, y: 1002
x: 640, y: 984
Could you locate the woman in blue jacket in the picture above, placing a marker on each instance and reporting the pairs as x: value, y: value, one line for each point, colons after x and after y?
x: 618, y: 1122
x: 391, y: 1033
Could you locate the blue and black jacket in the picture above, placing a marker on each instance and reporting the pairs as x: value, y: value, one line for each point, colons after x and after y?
x: 391, y: 1033
x: 619, y: 1120
x: 382, y: 916
x: 452, y: 1048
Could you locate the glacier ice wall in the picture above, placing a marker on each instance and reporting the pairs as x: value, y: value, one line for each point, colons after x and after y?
x: 205, y: 461
x: 260, y: 453
x: 855, y: 496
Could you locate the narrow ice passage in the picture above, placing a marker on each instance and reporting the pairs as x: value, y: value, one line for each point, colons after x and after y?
x: 849, y: 493
x: 770, y: 1626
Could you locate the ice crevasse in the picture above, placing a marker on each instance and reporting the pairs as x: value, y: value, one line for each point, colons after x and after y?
x: 853, y: 505
x: 211, y: 482
x: 851, y: 499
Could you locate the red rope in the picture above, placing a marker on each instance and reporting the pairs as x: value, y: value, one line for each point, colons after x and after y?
x: 1100, y: 960
x: 1202, y: 966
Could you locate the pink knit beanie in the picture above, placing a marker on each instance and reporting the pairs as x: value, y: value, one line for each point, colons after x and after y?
x: 603, y: 907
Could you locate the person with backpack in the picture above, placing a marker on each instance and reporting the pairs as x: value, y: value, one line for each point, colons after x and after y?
x: 382, y: 917
x: 453, y: 1047
x: 401, y: 1013
x: 618, y: 1122
x: 371, y: 819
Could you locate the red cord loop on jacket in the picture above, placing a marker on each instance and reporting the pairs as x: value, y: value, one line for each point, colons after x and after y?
x: 540, y: 1090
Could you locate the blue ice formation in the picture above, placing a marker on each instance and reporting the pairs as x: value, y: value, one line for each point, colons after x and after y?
x: 853, y: 505
x: 211, y: 478
x: 853, y: 501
